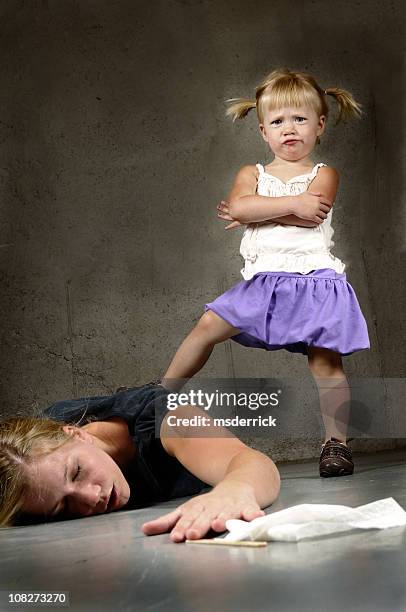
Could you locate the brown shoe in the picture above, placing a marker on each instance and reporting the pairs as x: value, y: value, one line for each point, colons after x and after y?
x: 335, y: 459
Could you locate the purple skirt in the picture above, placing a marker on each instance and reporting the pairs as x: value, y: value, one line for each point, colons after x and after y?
x: 292, y: 311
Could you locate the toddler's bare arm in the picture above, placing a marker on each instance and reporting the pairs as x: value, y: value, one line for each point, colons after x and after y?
x: 292, y: 220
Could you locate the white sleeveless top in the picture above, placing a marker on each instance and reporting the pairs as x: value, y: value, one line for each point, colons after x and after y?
x: 275, y: 247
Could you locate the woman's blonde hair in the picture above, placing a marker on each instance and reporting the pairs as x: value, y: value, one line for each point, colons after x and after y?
x: 22, y: 440
x: 283, y: 87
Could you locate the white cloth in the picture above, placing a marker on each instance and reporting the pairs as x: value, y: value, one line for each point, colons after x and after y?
x: 276, y: 247
x: 314, y: 520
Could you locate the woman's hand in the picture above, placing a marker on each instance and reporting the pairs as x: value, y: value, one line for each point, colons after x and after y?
x: 224, y: 213
x: 193, y: 519
x: 244, y: 479
x: 313, y: 206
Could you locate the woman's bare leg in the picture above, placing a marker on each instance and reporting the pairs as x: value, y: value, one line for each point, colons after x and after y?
x: 334, y: 393
x: 196, y: 349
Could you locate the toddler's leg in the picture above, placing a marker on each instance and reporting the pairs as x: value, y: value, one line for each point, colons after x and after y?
x: 196, y: 349
x: 334, y: 393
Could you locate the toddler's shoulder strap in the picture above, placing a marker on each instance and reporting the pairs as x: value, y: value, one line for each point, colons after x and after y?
x: 315, y: 169
x: 260, y: 168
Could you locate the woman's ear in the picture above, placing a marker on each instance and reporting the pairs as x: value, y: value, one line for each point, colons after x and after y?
x: 77, y: 432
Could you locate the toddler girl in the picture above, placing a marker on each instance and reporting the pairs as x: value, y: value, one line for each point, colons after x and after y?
x: 295, y: 294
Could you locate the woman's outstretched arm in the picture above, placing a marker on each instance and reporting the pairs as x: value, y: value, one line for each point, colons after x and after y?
x: 243, y: 479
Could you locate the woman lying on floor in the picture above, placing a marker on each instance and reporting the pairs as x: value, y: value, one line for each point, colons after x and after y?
x: 126, y: 455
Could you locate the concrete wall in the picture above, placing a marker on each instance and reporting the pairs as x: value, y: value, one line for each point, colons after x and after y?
x: 115, y: 151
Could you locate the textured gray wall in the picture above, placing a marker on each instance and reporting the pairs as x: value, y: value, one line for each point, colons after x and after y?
x: 115, y: 152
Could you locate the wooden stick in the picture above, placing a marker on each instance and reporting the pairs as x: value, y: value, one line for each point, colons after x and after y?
x: 223, y: 542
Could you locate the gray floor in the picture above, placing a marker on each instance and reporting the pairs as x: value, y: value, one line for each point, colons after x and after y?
x: 106, y: 563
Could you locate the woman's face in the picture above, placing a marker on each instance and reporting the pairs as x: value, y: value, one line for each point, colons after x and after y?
x: 77, y: 479
x: 299, y: 124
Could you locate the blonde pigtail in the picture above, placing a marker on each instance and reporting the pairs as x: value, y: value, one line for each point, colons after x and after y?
x: 239, y: 108
x: 347, y: 106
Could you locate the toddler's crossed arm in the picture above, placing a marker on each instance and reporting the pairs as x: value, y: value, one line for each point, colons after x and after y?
x: 244, y: 206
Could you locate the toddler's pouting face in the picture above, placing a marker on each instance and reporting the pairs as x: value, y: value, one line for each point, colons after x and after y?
x: 300, y: 124
x: 77, y: 479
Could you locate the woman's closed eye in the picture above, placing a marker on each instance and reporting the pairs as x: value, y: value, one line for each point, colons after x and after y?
x: 62, y: 511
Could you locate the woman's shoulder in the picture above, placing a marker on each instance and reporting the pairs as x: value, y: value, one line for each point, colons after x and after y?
x: 138, y: 406
x: 80, y: 410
